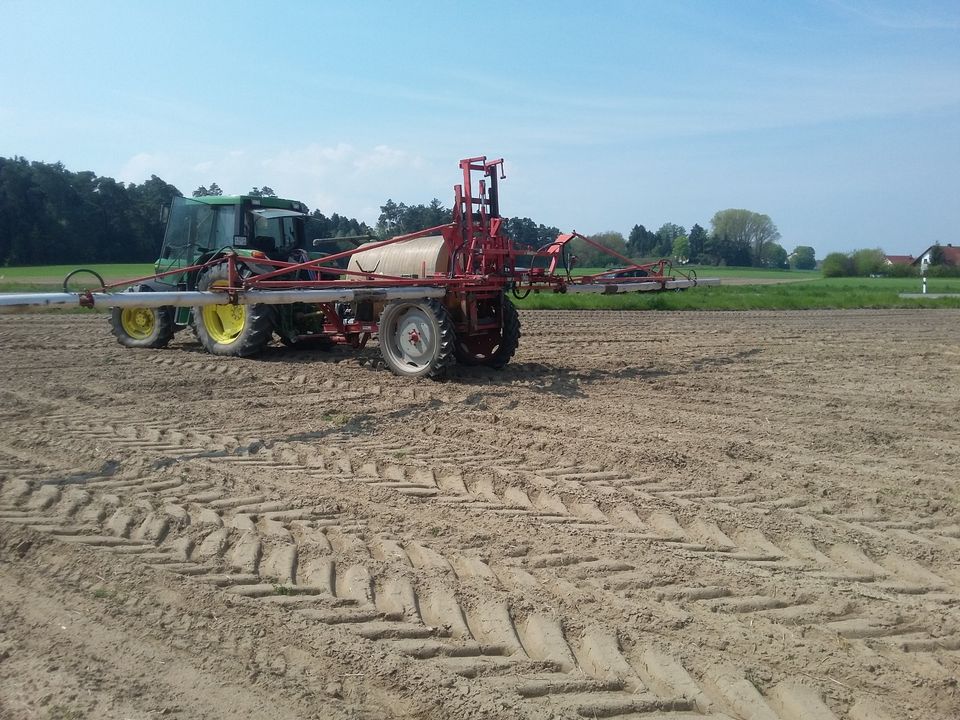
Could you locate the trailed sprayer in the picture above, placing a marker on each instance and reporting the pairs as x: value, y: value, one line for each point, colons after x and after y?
x: 240, y: 270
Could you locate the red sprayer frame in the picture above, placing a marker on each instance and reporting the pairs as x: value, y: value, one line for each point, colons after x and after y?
x: 483, y: 257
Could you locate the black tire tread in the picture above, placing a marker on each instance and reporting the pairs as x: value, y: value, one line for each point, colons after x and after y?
x: 510, y: 340
x: 445, y: 357
x: 257, y: 332
x: 161, y: 337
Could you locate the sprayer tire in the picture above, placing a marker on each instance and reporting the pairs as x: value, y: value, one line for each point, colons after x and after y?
x: 511, y: 337
x: 417, y: 338
x: 506, y: 342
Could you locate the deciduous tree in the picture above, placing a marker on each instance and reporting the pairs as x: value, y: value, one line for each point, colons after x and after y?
x: 803, y: 258
x: 213, y: 190
x: 589, y: 256
x: 774, y: 256
x: 681, y: 248
x: 667, y: 233
x: 837, y: 264
x: 746, y: 231
x: 868, y: 261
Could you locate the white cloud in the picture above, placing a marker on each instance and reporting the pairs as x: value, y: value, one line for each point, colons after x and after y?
x: 144, y: 164
x: 901, y: 17
x: 333, y: 178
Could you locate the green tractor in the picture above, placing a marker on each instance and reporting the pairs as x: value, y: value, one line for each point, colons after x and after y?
x: 198, y: 231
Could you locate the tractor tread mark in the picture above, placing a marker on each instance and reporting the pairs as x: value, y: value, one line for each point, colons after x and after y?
x: 288, y: 561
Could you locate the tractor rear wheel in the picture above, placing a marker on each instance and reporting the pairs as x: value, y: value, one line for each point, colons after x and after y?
x: 228, y: 329
x: 142, y: 327
x: 417, y: 338
x: 496, y: 348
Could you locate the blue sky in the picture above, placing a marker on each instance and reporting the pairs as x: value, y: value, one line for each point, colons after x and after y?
x: 838, y: 118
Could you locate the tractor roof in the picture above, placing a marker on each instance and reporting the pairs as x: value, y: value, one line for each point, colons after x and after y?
x: 266, y: 202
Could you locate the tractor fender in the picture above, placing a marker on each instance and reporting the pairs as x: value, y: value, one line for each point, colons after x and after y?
x: 243, y: 262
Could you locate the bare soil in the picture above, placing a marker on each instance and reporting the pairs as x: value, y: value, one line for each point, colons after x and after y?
x: 647, y: 515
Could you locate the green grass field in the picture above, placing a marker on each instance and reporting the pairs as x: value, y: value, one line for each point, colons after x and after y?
x: 823, y: 293
x: 799, y: 290
x: 744, y: 273
x: 49, y: 278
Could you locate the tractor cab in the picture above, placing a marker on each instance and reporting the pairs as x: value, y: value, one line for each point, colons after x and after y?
x: 199, y: 228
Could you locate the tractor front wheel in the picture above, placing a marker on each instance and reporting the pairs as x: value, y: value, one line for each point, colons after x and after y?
x: 142, y: 327
x: 417, y: 338
x: 228, y: 329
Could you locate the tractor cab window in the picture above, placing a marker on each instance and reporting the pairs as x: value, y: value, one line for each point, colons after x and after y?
x: 224, y: 226
x: 193, y: 229
x: 275, y: 232
x: 189, y: 227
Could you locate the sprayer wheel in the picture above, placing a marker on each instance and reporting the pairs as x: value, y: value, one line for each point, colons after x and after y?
x: 417, y: 338
x: 494, y: 349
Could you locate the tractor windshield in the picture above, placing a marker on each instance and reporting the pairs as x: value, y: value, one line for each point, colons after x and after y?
x: 194, y: 228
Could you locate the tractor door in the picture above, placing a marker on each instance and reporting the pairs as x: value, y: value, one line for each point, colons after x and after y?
x: 195, y: 230
x: 276, y: 232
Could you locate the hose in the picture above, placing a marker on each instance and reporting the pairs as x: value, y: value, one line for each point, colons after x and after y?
x: 518, y: 295
x: 103, y: 285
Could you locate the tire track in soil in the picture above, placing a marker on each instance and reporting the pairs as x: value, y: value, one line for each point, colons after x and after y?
x: 646, y: 486
x: 844, y: 565
x: 278, y: 553
x: 841, y: 562
x: 354, y: 584
x: 505, y: 497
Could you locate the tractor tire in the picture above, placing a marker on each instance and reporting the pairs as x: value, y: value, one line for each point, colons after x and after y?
x: 141, y: 327
x: 417, y: 338
x: 232, y: 330
x: 495, y: 350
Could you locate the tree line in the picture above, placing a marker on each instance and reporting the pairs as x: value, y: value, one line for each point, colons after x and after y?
x: 737, y: 237
x: 871, y: 262
x: 400, y: 219
x: 50, y: 215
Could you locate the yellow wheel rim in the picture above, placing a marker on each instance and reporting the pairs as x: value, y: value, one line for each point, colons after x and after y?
x: 138, y: 322
x: 225, y: 322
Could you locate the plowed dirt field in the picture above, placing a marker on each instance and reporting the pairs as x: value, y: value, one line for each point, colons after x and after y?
x: 646, y: 515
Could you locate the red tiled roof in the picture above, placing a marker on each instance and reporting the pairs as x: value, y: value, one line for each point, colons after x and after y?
x: 951, y: 254
x: 899, y: 259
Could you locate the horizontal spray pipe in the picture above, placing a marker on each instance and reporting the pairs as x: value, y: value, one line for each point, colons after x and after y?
x: 612, y: 288
x: 18, y: 302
